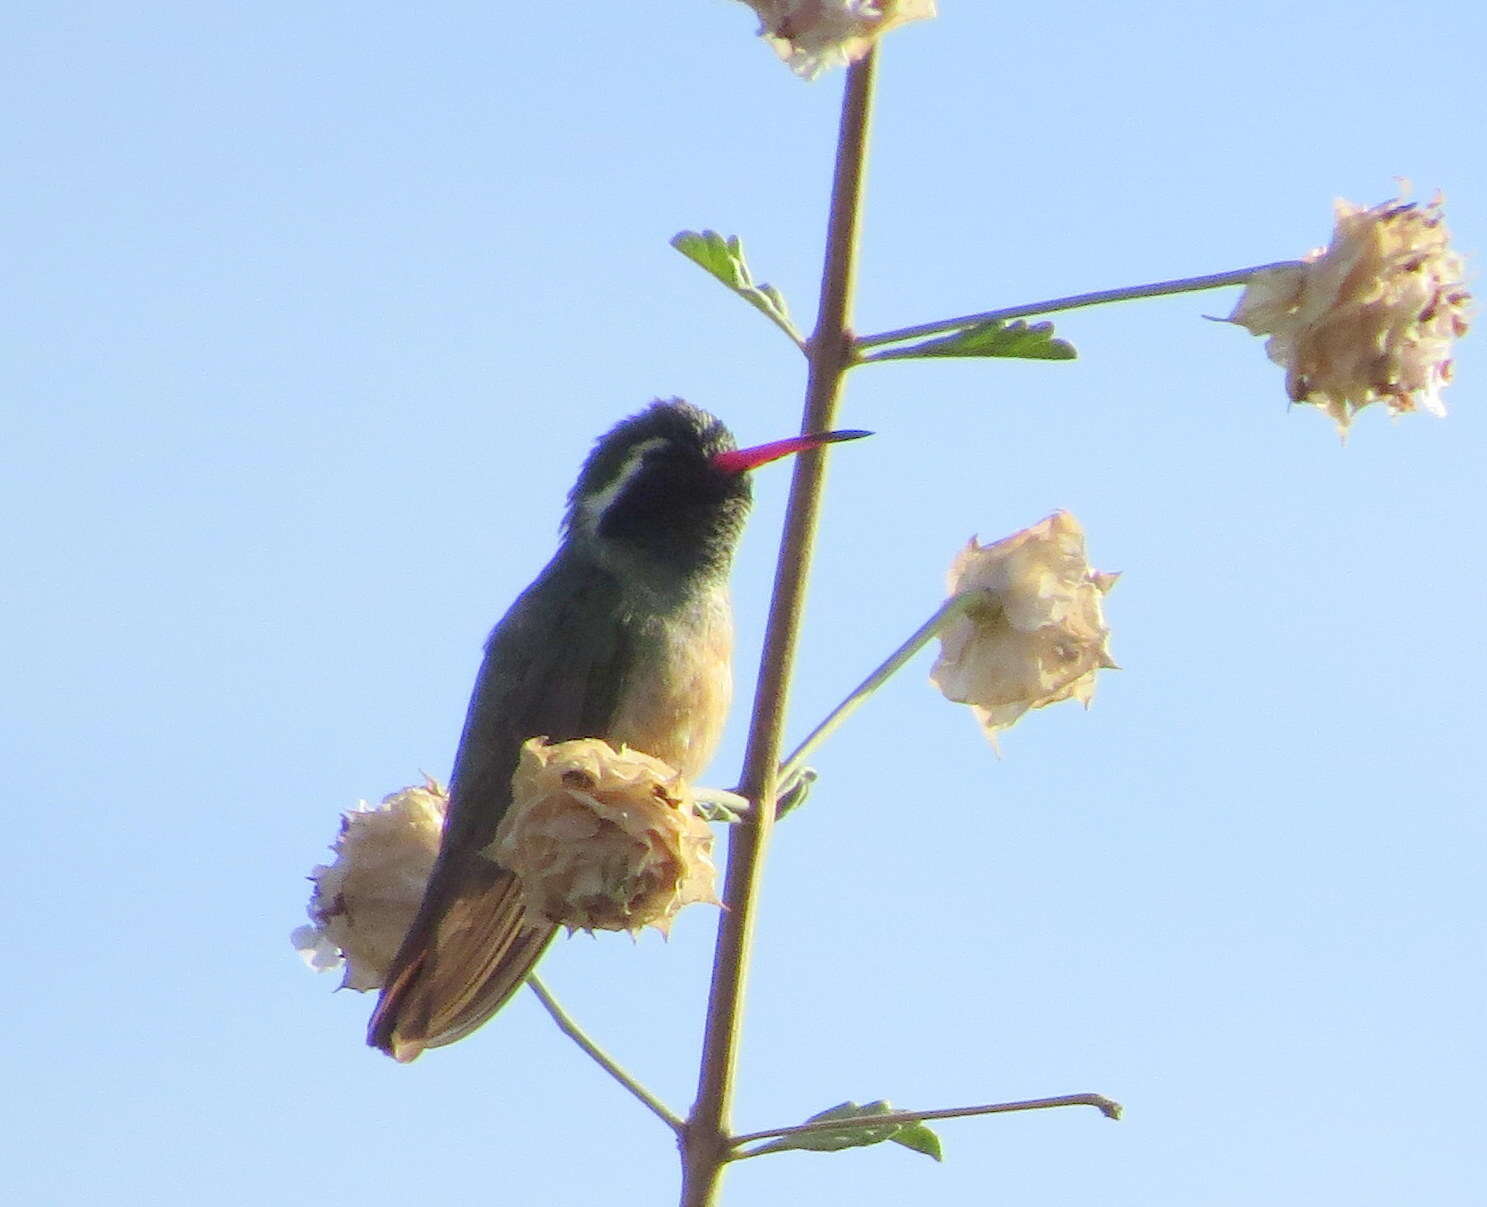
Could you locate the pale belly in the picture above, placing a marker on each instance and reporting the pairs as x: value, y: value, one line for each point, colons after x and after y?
x: 678, y: 715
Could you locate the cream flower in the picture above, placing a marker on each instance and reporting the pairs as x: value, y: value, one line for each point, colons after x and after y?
x: 1371, y: 317
x: 603, y: 840
x: 813, y: 35
x: 364, y: 902
x: 1037, y: 636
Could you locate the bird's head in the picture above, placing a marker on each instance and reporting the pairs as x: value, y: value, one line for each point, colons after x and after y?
x: 664, y: 494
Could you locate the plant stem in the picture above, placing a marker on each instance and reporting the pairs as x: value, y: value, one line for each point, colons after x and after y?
x: 1124, y: 294
x: 706, y: 1145
x: 921, y: 637
x: 602, y: 1058
x: 1106, y: 1107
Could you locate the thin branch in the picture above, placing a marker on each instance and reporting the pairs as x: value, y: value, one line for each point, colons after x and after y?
x: 1106, y: 1107
x: 706, y: 1146
x: 602, y: 1058
x: 793, y: 767
x: 921, y: 637
x: 1073, y: 302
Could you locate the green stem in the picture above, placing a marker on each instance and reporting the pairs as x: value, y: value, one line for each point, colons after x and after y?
x: 922, y: 636
x: 602, y: 1058
x: 1238, y: 276
x: 707, y: 1145
x: 1106, y: 1107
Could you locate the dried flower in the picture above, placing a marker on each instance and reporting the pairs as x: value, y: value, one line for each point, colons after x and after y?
x: 1370, y: 317
x: 363, y: 903
x: 811, y: 36
x: 1037, y: 636
x: 603, y: 840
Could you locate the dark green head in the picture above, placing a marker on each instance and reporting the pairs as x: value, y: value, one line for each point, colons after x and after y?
x: 653, y: 498
x: 662, y: 499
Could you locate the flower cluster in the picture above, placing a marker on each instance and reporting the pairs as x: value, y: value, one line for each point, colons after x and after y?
x: 603, y: 839
x: 814, y: 35
x: 1036, y: 632
x: 1371, y: 317
x: 364, y: 902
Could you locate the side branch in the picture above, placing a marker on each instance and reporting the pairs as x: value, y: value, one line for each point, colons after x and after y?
x: 1217, y: 280
x: 921, y: 637
x: 602, y: 1058
x: 1110, y: 1109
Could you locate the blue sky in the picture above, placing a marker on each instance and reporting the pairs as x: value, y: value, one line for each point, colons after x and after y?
x: 315, y: 311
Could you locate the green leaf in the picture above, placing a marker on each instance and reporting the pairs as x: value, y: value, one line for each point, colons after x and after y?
x: 920, y: 1138
x: 834, y: 1140
x: 724, y: 259
x: 1027, y: 341
x: 854, y: 1134
x: 796, y: 794
x: 712, y: 809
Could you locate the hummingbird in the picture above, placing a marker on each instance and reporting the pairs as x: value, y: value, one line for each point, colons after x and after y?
x: 626, y: 636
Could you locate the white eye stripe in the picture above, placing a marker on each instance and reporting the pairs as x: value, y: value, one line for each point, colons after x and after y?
x: 594, y: 506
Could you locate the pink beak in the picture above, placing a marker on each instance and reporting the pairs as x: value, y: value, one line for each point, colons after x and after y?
x: 741, y: 460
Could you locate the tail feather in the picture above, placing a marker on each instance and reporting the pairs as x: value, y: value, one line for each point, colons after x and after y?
x: 475, y: 954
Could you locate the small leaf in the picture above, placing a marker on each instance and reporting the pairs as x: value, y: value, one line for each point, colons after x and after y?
x: 855, y: 1135
x: 833, y: 1141
x: 795, y: 795
x: 1027, y: 341
x: 919, y: 1137
x: 724, y: 259
x: 718, y: 804
x: 716, y: 810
